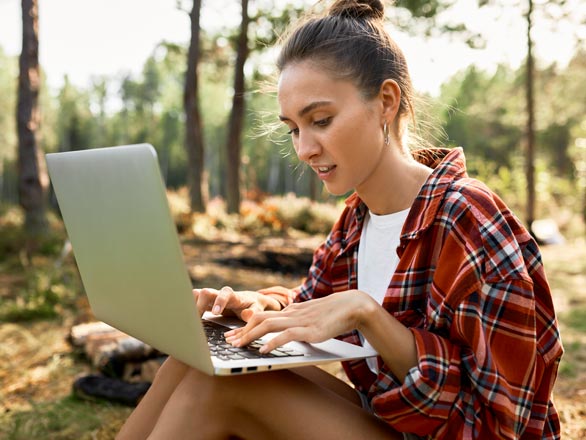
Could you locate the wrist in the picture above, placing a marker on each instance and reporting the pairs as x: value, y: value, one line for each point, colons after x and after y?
x: 364, y: 311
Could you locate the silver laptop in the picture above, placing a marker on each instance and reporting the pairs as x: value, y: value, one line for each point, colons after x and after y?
x: 115, y: 210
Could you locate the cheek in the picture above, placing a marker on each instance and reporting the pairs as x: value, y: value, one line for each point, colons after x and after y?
x: 360, y: 143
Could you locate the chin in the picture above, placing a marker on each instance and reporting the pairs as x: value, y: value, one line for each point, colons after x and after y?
x: 336, y: 190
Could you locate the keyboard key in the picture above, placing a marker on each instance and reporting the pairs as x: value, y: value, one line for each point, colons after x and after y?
x: 222, y: 350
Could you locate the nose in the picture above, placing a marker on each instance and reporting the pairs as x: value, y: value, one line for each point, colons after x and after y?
x: 306, y: 146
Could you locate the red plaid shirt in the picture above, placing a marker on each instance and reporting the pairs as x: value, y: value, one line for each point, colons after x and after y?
x: 471, y: 286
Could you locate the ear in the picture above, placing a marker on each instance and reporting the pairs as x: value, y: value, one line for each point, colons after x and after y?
x: 390, y: 96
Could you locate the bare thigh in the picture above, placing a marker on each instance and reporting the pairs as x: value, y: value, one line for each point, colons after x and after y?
x: 290, y: 404
x: 143, y: 419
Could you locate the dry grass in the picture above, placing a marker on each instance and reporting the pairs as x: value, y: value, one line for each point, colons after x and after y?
x: 566, y: 269
x: 38, y: 366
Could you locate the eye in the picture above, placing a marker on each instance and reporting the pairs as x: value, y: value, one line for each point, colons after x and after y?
x: 293, y: 132
x: 323, y: 122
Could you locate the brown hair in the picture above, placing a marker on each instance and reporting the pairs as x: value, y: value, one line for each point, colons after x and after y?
x: 351, y: 43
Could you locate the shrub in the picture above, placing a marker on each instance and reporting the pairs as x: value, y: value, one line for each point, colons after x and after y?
x: 268, y: 216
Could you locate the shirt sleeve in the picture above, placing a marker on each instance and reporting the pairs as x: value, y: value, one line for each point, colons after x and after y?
x: 484, y: 370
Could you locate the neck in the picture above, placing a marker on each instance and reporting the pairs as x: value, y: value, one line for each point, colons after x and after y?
x: 395, y: 183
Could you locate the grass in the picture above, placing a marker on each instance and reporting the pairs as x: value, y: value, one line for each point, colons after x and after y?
x: 63, y: 419
x: 44, y: 291
x: 39, y: 302
x: 576, y: 319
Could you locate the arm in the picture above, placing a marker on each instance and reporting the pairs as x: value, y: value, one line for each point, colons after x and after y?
x: 328, y: 317
x: 471, y: 370
x: 483, y: 371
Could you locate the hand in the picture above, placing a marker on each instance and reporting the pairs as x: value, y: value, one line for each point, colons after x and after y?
x: 243, y: 304
x: 311, y: 321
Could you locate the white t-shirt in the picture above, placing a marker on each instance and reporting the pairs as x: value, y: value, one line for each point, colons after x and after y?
x: 377, y: 257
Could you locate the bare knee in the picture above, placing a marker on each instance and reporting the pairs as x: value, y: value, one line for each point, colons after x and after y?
x: 171, y: 368
x: 194, y: 407
x: 212, y: 395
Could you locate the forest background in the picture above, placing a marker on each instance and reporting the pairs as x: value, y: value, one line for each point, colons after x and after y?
x: 233, y: 177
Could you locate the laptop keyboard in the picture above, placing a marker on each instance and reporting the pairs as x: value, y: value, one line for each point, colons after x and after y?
x: 224, y: 351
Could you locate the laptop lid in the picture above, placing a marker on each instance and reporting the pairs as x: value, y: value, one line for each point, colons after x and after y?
x: 114, y: 205
x: 115, y: 209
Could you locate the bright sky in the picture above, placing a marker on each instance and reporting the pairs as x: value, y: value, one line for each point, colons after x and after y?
x: 84, y: 38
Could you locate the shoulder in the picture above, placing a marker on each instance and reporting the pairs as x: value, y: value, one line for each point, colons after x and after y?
x: 488, y: 227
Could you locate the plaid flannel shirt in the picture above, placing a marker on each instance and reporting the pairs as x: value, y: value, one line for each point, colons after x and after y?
x: 471, y: 287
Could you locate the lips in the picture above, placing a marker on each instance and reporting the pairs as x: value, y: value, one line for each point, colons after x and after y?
x: 323, y: 170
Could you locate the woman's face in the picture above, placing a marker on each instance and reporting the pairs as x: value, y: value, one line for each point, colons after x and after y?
x: 334, y: 129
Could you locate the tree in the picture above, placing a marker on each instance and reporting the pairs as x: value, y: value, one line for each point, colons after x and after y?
x: 236, y: 121
x: 559, y: 12
x: 32, y: 177
x: 530, y: 133
x: 194, y: 142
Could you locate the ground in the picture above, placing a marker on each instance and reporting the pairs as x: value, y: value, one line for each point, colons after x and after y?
x: 38, y: 366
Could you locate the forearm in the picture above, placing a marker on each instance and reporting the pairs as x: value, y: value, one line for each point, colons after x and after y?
x: 471, y: 368
x: 393, y: 341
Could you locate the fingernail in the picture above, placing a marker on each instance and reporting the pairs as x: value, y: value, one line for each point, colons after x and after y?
x: 216, y: 310
x: 264, y: 349
x: 235, y: 343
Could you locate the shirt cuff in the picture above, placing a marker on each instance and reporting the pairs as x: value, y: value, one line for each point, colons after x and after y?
x: 423, y: 402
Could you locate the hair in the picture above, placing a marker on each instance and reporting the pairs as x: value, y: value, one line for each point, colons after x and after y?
x: 350, y: 42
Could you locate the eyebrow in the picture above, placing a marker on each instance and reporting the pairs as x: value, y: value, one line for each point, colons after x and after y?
x: 307, y: 109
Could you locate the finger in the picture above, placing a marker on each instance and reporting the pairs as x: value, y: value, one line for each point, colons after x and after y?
x: 291, y: 334
x: 247, y: 314
x: 205, y: 299
x: 258, y: 327
x: 222, y: 299
x: 197, y: 293
x: 233, y: 332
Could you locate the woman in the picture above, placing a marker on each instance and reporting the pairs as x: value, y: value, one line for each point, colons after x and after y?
x: 425, y: 264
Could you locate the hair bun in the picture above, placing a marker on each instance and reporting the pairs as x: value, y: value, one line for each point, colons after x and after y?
x: 358, y: 9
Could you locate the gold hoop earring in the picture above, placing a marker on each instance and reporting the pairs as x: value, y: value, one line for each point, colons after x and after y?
x: 386, y: 134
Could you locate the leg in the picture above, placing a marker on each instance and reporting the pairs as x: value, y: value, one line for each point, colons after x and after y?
x: 142, y: 420
x: 281, y: 404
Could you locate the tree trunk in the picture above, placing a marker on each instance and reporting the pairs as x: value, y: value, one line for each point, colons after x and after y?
x: 236, y: 122
x: 193, y: 126
x: 32, y: 175
x: 530, y: 159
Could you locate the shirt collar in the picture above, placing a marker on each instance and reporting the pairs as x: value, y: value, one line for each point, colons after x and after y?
x: 448, y: 165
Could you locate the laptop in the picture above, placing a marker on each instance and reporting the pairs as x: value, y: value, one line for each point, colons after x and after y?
x: 117, y: 217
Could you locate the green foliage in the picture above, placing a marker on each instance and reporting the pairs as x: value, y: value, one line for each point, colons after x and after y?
x: 576, y: 319
x: 45, y: 287
x: 8, y: 77
x: 13, y: 239
x: 63, y: 419
x: 423, y: 8
x: 482, y: 115
x: 482, y: 111
x: 46, y: 292
x: 486, y: 115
